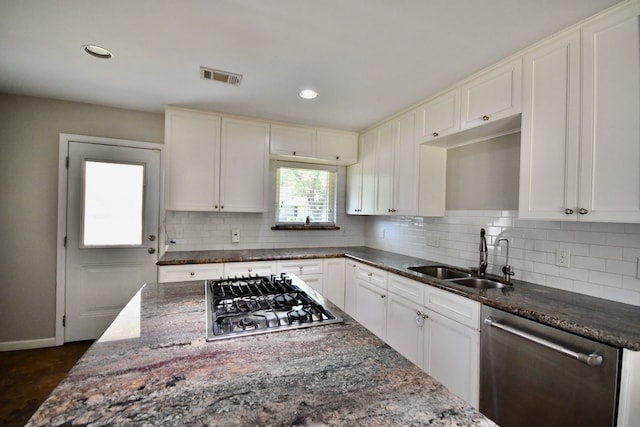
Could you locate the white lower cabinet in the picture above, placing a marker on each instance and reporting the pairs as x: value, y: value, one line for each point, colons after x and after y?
x: 334, y: 281
x: 249, y: 268
x: 405, y: 327
x: 371, y: 295
x: 451, y: 355
x: 440, y: 334
x: 350, y: 287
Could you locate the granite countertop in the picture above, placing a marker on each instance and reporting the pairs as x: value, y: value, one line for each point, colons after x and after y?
x: 606, y: 321
x: 154, y: 367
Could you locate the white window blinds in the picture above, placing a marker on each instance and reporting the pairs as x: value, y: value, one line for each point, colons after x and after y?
x: 305, y: 191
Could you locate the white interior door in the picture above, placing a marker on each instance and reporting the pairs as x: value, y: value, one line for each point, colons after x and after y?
x: 112, y: 232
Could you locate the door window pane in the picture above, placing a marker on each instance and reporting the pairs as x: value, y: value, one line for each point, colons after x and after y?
x: 113, y: 204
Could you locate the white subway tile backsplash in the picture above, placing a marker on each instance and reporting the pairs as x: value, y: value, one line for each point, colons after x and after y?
x: 603, y: 256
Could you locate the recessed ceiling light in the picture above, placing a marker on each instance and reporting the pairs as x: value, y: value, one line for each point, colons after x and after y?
x: 308, y: 94
x: 97, y: 51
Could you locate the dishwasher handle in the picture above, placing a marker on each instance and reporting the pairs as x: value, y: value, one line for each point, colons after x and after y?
x: 592, y: 359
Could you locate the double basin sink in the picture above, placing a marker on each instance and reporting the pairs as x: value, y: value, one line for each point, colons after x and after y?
x: 457, y: 276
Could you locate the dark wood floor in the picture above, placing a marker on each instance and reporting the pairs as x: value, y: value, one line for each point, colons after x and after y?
x: 28, y: 376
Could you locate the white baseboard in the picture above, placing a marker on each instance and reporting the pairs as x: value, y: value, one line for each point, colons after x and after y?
x: 27, y: 344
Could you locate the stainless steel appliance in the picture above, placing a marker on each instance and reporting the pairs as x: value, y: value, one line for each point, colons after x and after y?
x: 536, y: 375
x: 260, y: 304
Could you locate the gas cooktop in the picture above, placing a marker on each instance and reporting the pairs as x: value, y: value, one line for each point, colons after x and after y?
x: 260, y: 304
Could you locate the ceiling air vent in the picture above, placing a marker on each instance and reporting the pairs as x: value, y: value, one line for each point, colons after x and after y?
x: 220, y: 76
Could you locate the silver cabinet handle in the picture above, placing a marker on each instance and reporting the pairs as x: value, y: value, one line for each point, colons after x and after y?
x: 592, y: 359
x: 583, y: 211
x: 568, y: 211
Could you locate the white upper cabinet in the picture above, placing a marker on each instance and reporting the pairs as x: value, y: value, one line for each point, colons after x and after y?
x: 368, y: 147
x: 610, y: 162
x: 244, y: 166
x: 580, y: 152
x: 493, y: 95
x: 203, y: 157
x: 292, y: 140
x: 354, y: 189
x: 550, y: 129
x: 395, y: 166
x: 192, y: 163
x: 339, y: 147
x: 439, y: 117
x: 322, y: 145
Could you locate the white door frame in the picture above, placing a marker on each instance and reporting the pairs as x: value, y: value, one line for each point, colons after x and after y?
x: 61, y: 262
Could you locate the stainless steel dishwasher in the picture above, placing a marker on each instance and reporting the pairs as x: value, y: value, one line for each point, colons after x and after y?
x: 536, y: 375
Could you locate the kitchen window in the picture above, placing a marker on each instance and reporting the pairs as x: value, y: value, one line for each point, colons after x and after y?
x: 305, y: 195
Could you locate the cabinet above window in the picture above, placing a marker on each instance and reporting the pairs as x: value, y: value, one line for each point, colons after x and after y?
x: 313, y: 145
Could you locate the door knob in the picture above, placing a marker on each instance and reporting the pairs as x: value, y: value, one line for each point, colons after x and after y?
x: 151, y: 250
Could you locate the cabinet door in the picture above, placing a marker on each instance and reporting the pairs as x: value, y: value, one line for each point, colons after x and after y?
x: 371, y: 307
x: 292, y: 140
x: 315, y: 281
x: 192, y: 142
x: 384, y: 170
x: 244, y: 166
x: 550, y: 130
x: 334, y: 281
x: 354, y: 189
x: 439, y: 117
x: 493, y: 95
x: 255, y: 268
x: 369, y: 145
x: 453, y: 356
x: 405, y: 183
x: 610, y: 155
x: 350, y: 287
x: 405, y: 327
x: 339, y: 147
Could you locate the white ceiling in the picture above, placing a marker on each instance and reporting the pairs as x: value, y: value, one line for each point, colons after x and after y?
x: 367, y: 58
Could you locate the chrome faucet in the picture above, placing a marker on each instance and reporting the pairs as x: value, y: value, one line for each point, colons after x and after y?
x: 482, y: 268
x: 506, y: 269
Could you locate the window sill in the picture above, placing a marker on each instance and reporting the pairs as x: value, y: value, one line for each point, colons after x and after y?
x: 305, y: 227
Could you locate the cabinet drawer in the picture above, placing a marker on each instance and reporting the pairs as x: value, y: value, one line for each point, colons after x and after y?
x: 455, y: 307
x: 406, y: 288
x: 300, y: 267
x: 259, y: 268
x: 180, y: 273
x: 372, y: 275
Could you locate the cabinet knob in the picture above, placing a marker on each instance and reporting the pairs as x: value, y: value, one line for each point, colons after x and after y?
x: 485, y: 118
x: 568, y: 211
x: 419, y: 313
x: 192, y: 274
x: 583, y: 211
x: 370, y: 274
x: 383, y: 296
x: 221, y: 207
x: 337, y: 157
x: 435, y: 134
x: 294, y: 153
x: 250, y: 270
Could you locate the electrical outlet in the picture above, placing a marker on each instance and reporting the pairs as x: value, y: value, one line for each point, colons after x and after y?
x: 235, y: 235
x: 433, y: 240
x: 562, y: 257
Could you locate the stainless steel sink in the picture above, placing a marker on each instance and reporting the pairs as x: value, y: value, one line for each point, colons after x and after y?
x: 440, y: 271
x: 479, y: 283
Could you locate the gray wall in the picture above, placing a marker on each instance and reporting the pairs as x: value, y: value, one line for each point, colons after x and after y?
x: 484, y: 175
x: 29, y: 136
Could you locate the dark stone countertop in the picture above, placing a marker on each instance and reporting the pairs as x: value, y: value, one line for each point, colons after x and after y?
x: 606, y: 321
x: 154, y: 367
